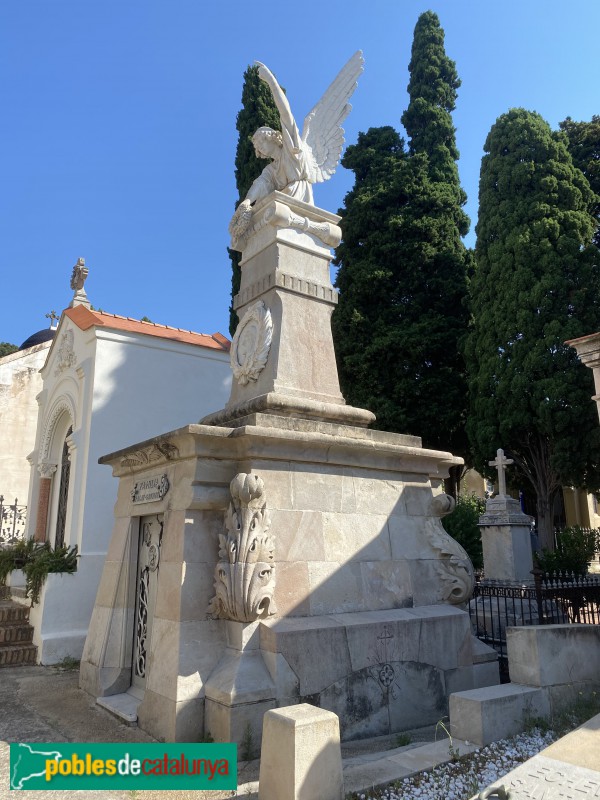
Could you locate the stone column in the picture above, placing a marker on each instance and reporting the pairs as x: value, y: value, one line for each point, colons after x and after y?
x: 506, y: 539
x: 588, y: 350
x: 46, y: 471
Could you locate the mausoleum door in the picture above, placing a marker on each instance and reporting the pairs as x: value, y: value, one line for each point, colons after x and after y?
x: 151, y: 528
x: 64, y: 477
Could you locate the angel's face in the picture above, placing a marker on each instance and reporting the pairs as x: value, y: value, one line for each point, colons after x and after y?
x: 265, y: 144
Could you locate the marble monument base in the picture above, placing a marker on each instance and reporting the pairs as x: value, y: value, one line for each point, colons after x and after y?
x: 364, y: 618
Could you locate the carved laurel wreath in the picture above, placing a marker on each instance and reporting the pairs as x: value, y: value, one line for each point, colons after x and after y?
x: 251, y: 343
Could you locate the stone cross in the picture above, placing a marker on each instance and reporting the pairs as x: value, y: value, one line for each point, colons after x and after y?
x: 500, y: 462
x: 53, y: 317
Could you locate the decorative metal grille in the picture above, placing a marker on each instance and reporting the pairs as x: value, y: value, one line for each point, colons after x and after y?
x: 63, y: 494
x: 12, y: 521
x: 141, y: 632
x: 547, y: 600
x: 148, y: 561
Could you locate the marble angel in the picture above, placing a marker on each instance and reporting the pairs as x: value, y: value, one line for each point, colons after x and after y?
x: 299, y: 160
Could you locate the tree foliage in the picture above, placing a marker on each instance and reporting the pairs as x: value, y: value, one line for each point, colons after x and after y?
x: 536, y: 284
x: 575, y: 549
x: 463, y: 525
x: 402, y: 265
x: 6, y: 348
x: 583, y: 142
x: 258, y: 109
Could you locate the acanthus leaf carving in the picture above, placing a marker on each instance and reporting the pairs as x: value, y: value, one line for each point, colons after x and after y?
x: 244, y: 575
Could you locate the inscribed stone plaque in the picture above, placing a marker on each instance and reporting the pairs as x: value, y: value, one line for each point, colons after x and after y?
x: 543, y: 778
x: 150, y: 490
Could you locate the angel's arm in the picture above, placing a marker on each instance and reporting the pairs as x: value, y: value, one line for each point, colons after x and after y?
x: 288, y: 122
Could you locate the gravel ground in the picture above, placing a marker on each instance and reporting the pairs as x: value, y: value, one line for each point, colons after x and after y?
x: 464, y: 778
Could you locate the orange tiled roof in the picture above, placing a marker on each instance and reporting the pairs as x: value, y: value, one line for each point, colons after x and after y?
x: 85, y: 318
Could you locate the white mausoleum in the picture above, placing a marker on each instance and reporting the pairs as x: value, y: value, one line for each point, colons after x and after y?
x: 107, y: 381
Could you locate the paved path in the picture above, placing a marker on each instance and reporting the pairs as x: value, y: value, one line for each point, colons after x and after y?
x: 44, y: 704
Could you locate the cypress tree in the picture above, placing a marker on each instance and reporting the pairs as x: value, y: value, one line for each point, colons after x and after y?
x: 402, y: 275
x: 583, y: 142
x: 536, y: 284
x: 258, y: 109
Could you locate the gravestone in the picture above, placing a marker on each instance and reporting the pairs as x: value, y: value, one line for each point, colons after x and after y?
x: 505, y: 533
x: 302, y: 556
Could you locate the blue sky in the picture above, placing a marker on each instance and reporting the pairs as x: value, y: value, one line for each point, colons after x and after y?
x: 118, y: 132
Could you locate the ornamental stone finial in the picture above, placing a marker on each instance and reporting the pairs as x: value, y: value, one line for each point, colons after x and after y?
x: 78, y: 277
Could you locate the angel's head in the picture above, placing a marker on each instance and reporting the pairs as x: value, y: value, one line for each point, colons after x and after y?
x: 267, y: 142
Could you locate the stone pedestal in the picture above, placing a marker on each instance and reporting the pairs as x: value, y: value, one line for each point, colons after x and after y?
x: 282, y: 353
x: 302, y: 557
x: 506, y: 540
x: 301, y: 755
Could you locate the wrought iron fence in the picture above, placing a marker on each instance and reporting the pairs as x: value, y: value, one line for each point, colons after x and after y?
x: 12, y: 521
x: 546, y: 600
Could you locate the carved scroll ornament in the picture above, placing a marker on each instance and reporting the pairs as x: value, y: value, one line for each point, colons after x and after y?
x: 244, y: 575
x: 454, y: 568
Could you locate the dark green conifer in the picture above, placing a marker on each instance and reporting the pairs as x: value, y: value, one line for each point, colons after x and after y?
x: 258, y: 109
x: 536, y: 284
x: 584, y: 147
x: 402, y: 276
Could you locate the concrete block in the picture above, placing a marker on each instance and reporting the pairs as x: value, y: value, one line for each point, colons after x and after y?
x: 495, y: 712
x: 301, y: 756
x: 486, y: 674
x: 242, y: 724
x: 547, y: 655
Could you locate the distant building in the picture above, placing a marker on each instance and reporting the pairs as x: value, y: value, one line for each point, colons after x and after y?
x: 20, y: 383
x: 107, y: 381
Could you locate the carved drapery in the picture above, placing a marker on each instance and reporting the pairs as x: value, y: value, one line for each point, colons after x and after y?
x: 454, y: 568
x: 244, y: 575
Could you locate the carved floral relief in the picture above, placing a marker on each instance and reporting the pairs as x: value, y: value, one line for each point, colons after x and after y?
x: 66, y: 354
x: 244, y: 575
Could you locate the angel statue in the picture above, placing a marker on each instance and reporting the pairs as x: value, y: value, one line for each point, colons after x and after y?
x: 299, y: 160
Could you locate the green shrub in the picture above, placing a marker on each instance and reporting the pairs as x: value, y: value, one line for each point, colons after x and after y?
x: 575, y: 548
x: 37, y: 560
x: 462, y: 525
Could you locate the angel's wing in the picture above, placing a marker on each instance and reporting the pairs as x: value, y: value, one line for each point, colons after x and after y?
x: 323, y: 135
